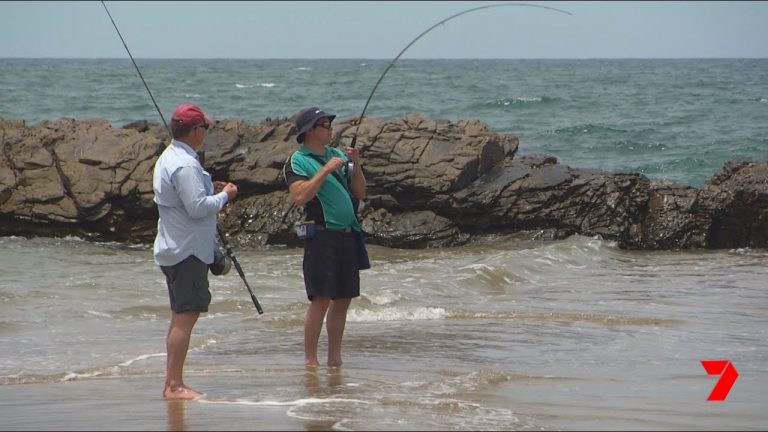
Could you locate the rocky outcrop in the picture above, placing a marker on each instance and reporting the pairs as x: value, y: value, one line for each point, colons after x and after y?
x: 77, y: 177
x: 431, y: 183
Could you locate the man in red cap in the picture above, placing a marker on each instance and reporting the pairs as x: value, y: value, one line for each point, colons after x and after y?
x: 186, y: 235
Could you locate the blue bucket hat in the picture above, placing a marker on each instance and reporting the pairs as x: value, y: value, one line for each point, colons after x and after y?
x: 307, y: 119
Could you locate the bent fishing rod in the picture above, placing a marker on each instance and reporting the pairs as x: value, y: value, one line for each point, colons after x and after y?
x: 218, y: 229
x: 360, y: 120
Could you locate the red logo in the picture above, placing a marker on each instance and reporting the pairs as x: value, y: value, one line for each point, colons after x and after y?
x: 728, y: 375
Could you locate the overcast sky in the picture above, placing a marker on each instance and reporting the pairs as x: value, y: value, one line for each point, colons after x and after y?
x: 380, y: 30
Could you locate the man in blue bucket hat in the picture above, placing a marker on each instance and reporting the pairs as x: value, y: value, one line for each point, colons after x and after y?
x: 319, y: 178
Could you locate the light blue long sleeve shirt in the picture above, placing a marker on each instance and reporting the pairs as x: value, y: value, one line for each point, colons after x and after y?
x: 187, y: 206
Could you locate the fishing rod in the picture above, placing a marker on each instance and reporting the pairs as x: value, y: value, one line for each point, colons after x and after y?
x: 360, y: 120
x: 218, y: 230
x: 238, y: 268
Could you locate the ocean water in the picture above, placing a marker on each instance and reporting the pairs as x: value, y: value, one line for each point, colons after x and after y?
x: 504, y: 333
x: 669, y: 119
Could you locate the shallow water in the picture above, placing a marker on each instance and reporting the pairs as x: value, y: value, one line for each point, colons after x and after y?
x: 502, y: 334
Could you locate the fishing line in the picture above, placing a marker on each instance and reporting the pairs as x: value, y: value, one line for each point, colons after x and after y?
x: 137, y: 70
x: 218, y: 230
x: 360, y: 120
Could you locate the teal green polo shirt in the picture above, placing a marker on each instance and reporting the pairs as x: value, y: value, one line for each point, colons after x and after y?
x: 332, y: 206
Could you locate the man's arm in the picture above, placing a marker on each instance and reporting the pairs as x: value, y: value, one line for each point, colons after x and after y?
x: 192, y: 193
x: 357, y: 183
x: 302, y: 191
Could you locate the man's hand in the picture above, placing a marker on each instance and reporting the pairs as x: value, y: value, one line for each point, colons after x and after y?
x: 334, y: 164
x: 227, y: 187
x: 354, y: 155
x: 231, y: 191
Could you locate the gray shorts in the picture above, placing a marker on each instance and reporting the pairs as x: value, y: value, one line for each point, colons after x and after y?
x: 188, y: 285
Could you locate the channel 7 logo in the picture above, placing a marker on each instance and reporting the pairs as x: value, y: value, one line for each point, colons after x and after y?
x: 728, y: 375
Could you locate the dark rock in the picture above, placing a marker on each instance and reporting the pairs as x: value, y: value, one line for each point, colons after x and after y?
x: 431, y: 183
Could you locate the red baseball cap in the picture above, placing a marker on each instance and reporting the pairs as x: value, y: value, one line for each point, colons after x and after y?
x: 189, y: 114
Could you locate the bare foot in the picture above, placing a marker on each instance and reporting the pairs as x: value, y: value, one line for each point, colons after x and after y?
x: 334, y: 364
x: 181, y: 392
x: 311, y: 363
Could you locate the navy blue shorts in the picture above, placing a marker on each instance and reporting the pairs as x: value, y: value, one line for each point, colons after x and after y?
x: 188, y: 285
x: 330, y: 265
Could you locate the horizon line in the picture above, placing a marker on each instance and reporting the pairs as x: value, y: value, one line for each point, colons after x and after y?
x: 382, y: 59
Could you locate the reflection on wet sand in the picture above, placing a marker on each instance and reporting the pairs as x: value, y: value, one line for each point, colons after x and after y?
x: 175, y: 411
x: 333, y: 379
x: 312, y: 382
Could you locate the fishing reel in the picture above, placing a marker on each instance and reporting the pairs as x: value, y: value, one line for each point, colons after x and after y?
x: 349, y: 168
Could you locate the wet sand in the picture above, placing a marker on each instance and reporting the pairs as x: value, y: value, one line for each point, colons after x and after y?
x: 136, y: 404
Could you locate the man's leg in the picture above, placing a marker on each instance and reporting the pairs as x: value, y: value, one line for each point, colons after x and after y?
x: 177, y: 344
x: 334, y: 324
x: 313, y: 324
